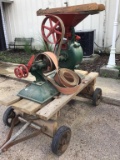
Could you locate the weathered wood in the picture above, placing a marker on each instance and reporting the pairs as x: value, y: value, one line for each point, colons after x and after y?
x: 51, y: 126
x: 27, y: 106
x: 81, y: 99
x: 8, y: 100
x: 89, y: 8
x: 81, y: 73
x: 89, y: 89
x: 55, y: 117
x: 53, y: 107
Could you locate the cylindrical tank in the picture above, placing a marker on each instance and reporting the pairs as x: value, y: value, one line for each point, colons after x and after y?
x: 71, y: 56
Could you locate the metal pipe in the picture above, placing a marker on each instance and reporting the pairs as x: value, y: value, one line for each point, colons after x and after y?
x: 31, y: 124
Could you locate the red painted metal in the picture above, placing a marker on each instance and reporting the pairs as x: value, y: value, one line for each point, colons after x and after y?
x: 52, y: 25
x: 70, y: 17
x: 21, y: 71
x: 53, y: 28
x: 18, y: 72
x: 29, y: 65
x: 71, y: 20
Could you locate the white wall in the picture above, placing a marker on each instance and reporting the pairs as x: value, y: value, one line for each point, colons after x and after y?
x: 21, y: 19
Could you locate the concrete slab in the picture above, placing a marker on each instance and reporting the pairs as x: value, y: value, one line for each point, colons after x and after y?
x: 110, y: 88
x: 109, y: 72
x: 91, y: 59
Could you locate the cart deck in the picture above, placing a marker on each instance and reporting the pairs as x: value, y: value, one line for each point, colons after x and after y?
x: 46, y: 112
x: 43, y: 117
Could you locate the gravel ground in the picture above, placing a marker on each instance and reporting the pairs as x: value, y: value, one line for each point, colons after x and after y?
x: 95, y: 132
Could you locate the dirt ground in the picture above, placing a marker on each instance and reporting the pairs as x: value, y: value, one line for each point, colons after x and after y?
x: 95, y: 131
x: 100, y: 62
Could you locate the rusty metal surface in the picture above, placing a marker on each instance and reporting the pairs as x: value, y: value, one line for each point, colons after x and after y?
x: 90, y: 8
x: 70, y: 86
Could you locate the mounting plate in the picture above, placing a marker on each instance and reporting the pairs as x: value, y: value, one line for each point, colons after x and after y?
x: 39, y: 93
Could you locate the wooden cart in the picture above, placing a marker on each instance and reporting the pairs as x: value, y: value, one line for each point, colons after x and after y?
x: 44, y: 117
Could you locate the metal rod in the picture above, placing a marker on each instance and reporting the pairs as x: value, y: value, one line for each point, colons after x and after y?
x: 31, y: 124
x: 15, y: 136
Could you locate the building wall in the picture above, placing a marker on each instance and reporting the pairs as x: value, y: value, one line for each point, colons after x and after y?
x: 21, y: 20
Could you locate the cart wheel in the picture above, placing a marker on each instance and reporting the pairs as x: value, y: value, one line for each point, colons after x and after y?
x: 61, y: 140
x: 8, y: 117
x: 97, y: 96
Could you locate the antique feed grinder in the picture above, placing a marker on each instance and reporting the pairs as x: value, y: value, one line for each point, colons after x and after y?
x: 58, y: 29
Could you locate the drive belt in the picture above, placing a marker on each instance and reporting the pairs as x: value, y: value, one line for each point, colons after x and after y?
x: 58, y: 44
x: 65, y: 80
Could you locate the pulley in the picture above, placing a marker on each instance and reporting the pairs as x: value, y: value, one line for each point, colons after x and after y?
x: 22, y: 70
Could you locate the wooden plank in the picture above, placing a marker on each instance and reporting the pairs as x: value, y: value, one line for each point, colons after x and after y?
x: 8, y: 100
x: 51, y: 126
x: 55, y: 117
x: 81, y: 72
x: 81, y: 99
x: 27, y: 106
x: 72, y: 9
x: 53, y: 107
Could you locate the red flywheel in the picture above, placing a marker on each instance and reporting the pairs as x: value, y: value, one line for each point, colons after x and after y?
x: 52, y: 29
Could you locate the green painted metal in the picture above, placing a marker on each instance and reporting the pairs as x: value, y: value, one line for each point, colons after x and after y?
x: 71, y: 56
x: 37, y: 71
x: 39, y: 92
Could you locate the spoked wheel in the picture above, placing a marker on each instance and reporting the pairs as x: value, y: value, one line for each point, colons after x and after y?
x: 61, y: 140
x: 52, y: 29
x: 8, y: 117
x: 21, y: 71
x: 97, y: 95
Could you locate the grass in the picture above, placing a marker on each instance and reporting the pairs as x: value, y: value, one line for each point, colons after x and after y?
x: 18, y: 56
x: 23, y: 55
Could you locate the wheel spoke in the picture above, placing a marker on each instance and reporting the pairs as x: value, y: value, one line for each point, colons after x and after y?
x: 58, y: 32
x: 56, y: 24
x: 46, y: 27
x: 48, y: 34
x: 50, y: 22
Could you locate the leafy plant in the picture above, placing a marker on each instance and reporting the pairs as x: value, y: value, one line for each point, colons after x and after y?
x: 118, y: 67
x: 44, y: 46
x: 15, y: 57
x: 27, y: 48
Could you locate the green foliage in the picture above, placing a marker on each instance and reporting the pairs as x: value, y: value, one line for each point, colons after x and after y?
x: 15, y: 57
x: 45, y: 46
x: 104, y: 75
x: 22, y: 56
x: 27, y: 48
x: 118, y: 67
